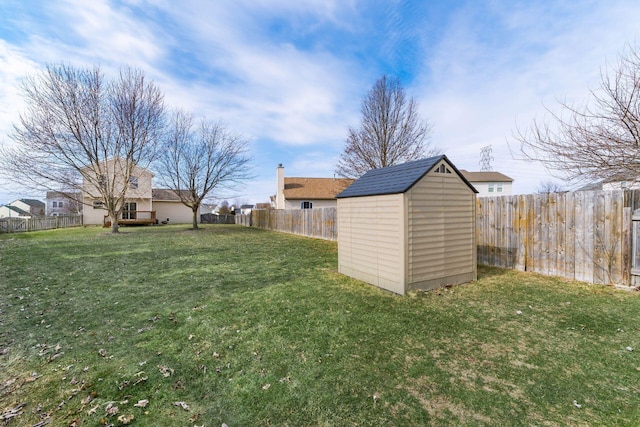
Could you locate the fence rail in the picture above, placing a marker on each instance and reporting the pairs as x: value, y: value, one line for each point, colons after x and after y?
x: 18, y: 225
x: 318, y: 223
x: 582, y: 235
x: 586, y: 236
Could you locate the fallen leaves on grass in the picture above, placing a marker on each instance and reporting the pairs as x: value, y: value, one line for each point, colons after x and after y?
x: 110, y: 409
x: 182, y: 405
x: 266, y: 386
x: 126, y: 419
x: 141, y: 403
x: 165, y: 370
x: 14, y: 412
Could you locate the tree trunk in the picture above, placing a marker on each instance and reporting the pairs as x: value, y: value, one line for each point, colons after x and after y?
x: 195, y: 217
x: 114, y: 222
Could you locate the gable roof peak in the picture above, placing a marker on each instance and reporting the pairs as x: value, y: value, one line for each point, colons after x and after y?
x: 397, y: 178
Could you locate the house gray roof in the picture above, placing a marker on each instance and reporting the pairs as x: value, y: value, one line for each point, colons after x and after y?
x: 487, y: 176
x: 17, y: 210
x: 396, y: 179
x: 33, y: 203
x: 166, y: 194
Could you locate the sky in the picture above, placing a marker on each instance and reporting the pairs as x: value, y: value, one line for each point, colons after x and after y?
x: 289, y: 75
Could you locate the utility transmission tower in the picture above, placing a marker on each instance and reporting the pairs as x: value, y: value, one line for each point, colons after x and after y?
x: 486, y: 158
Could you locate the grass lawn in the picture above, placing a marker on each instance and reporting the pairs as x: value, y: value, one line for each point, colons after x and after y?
x: 162, y: 326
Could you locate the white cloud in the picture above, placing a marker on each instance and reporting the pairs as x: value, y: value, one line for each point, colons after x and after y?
x: 14, y: 65
x: 480, y: 86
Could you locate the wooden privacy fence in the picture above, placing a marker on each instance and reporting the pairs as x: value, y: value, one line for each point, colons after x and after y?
x: 582, y: 235
x: 319, y: 223
x: 17, y: 225
x: 243, y: 219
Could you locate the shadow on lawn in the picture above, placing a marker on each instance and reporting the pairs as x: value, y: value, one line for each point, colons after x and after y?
x: 487, y: 271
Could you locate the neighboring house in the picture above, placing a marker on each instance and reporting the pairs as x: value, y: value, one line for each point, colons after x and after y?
x: 246, y: 209
x: 22, y: 208
x: 307, y: 193
x: 207, y: 208
x: 168, y: 207
x: 58, y: 203
x: 8, y: 211
x: 616, y: 182
x: 143, y: 204
x: 489, y: 183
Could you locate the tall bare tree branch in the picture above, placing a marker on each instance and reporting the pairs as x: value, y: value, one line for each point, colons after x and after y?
x: 197, y: 160
x: 597, y: 141
x: 390, y: 131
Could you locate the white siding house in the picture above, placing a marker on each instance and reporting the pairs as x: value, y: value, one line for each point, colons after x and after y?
x: 489, y: 183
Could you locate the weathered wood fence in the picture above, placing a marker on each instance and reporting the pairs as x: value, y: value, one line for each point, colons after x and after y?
x: 318, y: 223
x: 583, y: 235
x: 17, y: 225
x: 586, y: 235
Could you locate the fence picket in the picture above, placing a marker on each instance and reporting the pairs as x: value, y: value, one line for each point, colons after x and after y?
x: 18, y: 225
x: 318, y: 223
x: 582, y: 235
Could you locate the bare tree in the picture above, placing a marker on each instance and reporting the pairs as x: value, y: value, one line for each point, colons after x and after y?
x: 390, y: 131
x: 598, y: 140
x: 197, y: 160
x: 83, y: 134
x: 224, y: 208
x: 547, y: 187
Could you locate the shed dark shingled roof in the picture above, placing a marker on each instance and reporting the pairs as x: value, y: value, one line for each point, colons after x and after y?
x: 395, y: 179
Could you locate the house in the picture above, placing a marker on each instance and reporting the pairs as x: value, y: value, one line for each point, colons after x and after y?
x: 307, y: 193
x: 168, y: 207
x: 59, y: 203
x: 489, y: 183
x: 22, y: 208
x: 207, y: 208
x: 9, y: 211
x: 143, y: 204
x: 409, y: 226
x: 246, y: 209
x: 620, y: 181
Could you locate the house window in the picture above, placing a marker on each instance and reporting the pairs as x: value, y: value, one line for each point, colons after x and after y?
x: 129, y: 210
x: 133, y: 182
x: 102, y: 180
x: 98, y: 204
x: 55, y: 204
x: 491, y: 187
x: 306, y: 205
x: 59, y: 204
x: 499, y: 187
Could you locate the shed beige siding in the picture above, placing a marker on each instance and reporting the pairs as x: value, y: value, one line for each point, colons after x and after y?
x: 440, y: 232
x: 372, y: 240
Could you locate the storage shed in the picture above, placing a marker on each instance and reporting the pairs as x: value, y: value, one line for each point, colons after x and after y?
x: 409, y: 226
